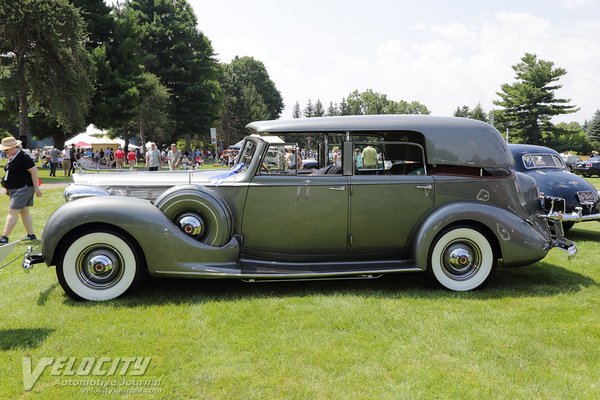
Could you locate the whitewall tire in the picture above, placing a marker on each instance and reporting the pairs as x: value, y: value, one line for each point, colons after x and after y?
x: 461, y: 259
x: 99, y: 266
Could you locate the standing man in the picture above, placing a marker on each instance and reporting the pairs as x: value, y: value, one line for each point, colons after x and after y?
x: 54, y: 155
x: 66, y: 164
x: 153, y: 159
x: 174, y: 157
x: 74, y: 158
x: 21, y: 182
x: 369, y: 157
x: 131, y: 158
x: 119, y: 158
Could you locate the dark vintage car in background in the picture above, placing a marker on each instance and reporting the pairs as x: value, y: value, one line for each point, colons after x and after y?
x: 570, y: 160
x: 547, y: 167
x: 589, y: 167
x: 430, y: 194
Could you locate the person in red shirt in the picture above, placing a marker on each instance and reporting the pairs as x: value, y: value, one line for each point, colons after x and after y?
x: 119, y: 158
x: 131, y: 158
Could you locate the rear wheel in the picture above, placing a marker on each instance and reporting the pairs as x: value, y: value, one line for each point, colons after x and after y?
x: 461, y: 259
x: 99, y: 266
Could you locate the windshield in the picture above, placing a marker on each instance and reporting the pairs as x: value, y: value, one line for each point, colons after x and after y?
x: 246, y: 154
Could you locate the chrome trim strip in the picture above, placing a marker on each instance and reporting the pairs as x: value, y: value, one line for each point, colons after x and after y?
x: 304, y: 275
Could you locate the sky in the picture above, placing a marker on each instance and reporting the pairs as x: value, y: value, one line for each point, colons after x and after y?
x: 440, y: 53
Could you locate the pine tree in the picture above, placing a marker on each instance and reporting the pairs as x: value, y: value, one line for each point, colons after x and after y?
x: 530, y: 102
x: 309, y: 110
x: 296, y: 111
x: 319, y: 111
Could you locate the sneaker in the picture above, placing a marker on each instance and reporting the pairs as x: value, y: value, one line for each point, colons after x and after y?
x: 30, y: 237
x: 3, y: 240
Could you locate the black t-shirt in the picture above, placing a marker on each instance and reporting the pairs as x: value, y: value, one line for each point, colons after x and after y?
x: 18, y: 176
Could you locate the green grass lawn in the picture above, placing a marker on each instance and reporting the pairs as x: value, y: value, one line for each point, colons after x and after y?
x: 532, y: 333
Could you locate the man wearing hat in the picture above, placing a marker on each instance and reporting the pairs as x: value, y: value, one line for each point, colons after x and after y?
x: 21, y: 182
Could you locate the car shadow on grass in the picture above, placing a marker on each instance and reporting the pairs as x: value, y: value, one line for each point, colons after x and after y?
x: 25, y: 338
x: 541, y: 280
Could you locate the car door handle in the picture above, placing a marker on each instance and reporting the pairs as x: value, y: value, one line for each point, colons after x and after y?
x: 340, y: 188
x: 426, y: 187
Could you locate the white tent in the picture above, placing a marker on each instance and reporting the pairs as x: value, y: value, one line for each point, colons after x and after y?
x: 95, y: 137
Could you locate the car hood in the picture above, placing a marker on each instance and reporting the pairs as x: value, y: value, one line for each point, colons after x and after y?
x: 154, y: 178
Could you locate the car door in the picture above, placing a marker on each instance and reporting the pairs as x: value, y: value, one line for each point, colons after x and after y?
x: 385, y: 205
x: 286, y: 213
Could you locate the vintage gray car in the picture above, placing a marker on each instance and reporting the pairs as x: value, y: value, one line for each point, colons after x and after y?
x: 406, y: 193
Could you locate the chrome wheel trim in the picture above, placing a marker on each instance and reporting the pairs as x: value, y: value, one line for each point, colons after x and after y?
x: 99, y: 266
x: 461, y: 259
x: 191, y: 224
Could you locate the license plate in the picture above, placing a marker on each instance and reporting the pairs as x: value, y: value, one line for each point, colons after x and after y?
x: 585, y: 197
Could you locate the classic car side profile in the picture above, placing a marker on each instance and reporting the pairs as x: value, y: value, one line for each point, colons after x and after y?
x: 405, y: 193
x: 547, y: 167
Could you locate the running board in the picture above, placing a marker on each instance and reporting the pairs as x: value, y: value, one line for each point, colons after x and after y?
x: 235, y: 273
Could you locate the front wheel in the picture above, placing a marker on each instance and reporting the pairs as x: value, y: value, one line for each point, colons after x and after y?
x: 99, y: 266
x: 461, y: 259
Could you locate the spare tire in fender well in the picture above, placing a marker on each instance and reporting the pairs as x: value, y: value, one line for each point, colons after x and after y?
x: 199, y: 211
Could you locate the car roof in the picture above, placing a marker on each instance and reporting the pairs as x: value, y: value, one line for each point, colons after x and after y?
x: 450, y: 140
x: 521, y: 149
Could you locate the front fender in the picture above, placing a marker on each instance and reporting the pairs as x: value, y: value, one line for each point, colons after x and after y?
x: 164, y: 245
x: 520, y: 242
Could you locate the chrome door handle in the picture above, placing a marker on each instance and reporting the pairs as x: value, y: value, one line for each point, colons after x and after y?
x: 341, y: 188
x: 426, y: 187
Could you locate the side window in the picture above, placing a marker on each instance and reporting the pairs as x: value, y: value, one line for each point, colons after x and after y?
x: 390, y: 158
x: 281, y: 159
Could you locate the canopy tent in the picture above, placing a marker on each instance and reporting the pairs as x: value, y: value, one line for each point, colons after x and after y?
x: 97, y: 139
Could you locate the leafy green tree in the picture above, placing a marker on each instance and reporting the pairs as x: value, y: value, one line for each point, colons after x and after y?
x: 152, y: 114
x: 253, y: 73
x: 530, y: 102
x: 296, y: 113
x: 183, y: 58
x: 570, y: 137
x: 120, y: 71
x: 248, y: 95
x: 319, y: 110
x: 42, y: 42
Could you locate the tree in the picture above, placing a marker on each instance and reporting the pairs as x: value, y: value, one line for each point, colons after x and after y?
x: 319, y: 110
x: 120, y: 71
x: 253, y: 73
x: 183, y: 58
x: 43, y: 44
x: 462, y: 112
x: 296, y: 111
x: 530, y: 102
x: 570, y: 137
x: 248, y: 95
x: 477, y: 112
x: 593, y: 127
x: 332, y: 110
x: 309, y: 110
x: 152, y: 117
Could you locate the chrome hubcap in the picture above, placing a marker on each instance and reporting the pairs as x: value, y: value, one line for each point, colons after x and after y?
x: 100, y: 267
x: 192, y: 224
x: 461, y: 260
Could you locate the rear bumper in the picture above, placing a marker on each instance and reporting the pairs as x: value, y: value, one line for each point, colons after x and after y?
x: 554, y: 218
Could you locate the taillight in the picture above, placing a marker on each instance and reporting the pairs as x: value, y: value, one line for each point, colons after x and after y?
x: 588, y: 165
